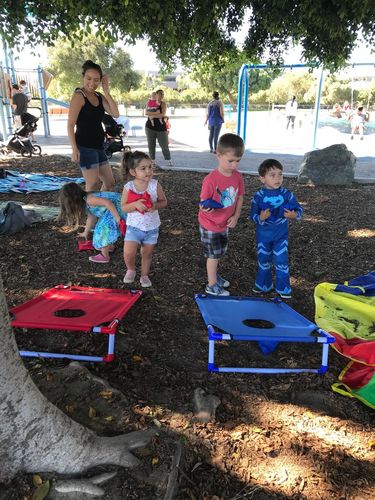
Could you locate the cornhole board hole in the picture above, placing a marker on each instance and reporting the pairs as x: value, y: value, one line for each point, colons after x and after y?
x: 266, y: 321
x: 76, y: 308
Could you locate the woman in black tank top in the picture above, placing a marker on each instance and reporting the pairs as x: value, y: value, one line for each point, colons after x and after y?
x: 85, y: 128
x: 156, y: 129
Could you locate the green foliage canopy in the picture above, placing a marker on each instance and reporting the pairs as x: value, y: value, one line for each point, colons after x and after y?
x: 189, y: 30
x: 221, y: 74
x: 64, y: 62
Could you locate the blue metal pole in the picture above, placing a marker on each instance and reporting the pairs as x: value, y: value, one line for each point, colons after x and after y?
x: 241, y: 74
x: 7, y: 103
x: 317, y: 106
x: 245, y: 105
x: 2, y: 103
x: 43, y: 100
x: 12, y: 70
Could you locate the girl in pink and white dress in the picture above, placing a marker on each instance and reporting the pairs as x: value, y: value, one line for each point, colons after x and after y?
x: 143, y: 219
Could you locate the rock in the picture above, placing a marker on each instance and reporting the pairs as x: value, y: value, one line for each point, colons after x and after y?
x: 333, y: 165
x: 205, y: 405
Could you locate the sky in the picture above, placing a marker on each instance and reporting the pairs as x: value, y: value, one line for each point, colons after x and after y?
x: 144, y: 58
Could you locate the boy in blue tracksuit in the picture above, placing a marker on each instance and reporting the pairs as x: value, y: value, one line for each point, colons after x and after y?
x: 271, y: 208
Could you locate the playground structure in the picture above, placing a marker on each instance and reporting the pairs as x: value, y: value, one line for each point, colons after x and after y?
x: 243, y: 94
x: 37, y: 80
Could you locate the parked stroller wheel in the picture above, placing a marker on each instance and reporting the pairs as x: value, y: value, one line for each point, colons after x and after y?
x: 127, y: 149
x: 26, y: 152
x: 37, y: 150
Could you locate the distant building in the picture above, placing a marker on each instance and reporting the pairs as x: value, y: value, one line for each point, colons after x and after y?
x: 169, y: 81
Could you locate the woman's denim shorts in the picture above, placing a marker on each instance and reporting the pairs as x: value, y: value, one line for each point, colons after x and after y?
x: 91, y: 158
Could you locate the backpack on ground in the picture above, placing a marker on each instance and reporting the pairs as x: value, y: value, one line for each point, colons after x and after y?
x: 13, y: 219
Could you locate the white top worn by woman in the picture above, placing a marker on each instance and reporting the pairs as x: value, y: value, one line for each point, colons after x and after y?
x: 148, y: 220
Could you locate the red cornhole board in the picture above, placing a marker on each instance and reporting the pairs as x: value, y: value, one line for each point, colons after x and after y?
x: 79, y: 308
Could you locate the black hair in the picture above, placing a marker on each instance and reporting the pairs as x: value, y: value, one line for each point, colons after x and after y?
x: 130, y: 161
x: 15, y: 86
x: 215, y: 95
x: 268, y: 165
x: 360, y: 108
x: 231, y: 142
x: 91, y: 65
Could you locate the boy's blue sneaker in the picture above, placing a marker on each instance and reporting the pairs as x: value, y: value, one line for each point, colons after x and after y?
x: 285, y: 295
x: 222, y: 281
x: 216, y: 290
x: 257, y: 291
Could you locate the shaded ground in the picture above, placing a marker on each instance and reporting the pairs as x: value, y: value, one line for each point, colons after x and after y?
x: 274, y: 436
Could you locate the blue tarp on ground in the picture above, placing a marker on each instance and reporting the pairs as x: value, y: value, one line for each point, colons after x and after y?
x: 16, y: 182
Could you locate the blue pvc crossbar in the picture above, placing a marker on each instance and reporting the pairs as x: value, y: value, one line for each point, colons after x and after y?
x: 75, y: 357
x: 239, y: 319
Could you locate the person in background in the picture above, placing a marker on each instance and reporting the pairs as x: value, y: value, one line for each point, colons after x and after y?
x: 291, y: 112
x: 215, y: 120
x: 346, y: 108
x: 153, y: 105
x: 156, y: 128
x: 19, y: 103
x: 25, y: 89
x: 358, y: 120
x: 336, y: 110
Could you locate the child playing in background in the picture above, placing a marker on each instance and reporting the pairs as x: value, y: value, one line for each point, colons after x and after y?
x: 25, y: 90
x: 358, y: 121
x: 106, y: 206
x: 142, y: 198
x: 271, y: 208
x: 223, y: 187
x: 153, y: 105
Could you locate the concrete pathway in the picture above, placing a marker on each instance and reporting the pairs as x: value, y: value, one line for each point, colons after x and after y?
x: 188, y: 157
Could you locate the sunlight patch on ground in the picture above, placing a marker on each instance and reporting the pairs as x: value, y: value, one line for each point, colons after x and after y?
x: 326, y: 429
x: 361, y: 233
x: 316, y: 220
x: 283, y: 471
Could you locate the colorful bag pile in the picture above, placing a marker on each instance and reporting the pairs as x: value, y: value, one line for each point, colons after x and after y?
x: 348, y: 312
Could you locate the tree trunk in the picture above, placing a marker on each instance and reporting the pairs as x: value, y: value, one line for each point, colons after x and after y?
x: 35, y: 435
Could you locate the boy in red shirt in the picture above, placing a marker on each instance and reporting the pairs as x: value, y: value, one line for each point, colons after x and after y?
x: 224, y: 187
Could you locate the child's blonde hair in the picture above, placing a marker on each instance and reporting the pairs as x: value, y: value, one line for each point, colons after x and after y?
x: 72, y: 204
x: 130, y: 161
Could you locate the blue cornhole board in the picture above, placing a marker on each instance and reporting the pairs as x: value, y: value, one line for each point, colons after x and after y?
x: 266, y: 321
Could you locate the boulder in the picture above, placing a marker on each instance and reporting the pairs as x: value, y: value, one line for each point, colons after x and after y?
x: 333, y: 165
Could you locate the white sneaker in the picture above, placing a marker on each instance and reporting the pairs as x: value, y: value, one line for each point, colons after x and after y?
x: 170, y: 163
x: 129, y: 276
x: 145, y: 282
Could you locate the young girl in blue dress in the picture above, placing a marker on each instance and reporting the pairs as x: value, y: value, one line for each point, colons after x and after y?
x: 105, y: 206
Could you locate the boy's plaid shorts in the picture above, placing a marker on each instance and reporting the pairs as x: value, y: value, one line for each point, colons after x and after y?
x: 215, y: 245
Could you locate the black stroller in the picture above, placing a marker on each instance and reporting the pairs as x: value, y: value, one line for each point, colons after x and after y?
x: 114, y: 136
x: 19, y: 142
